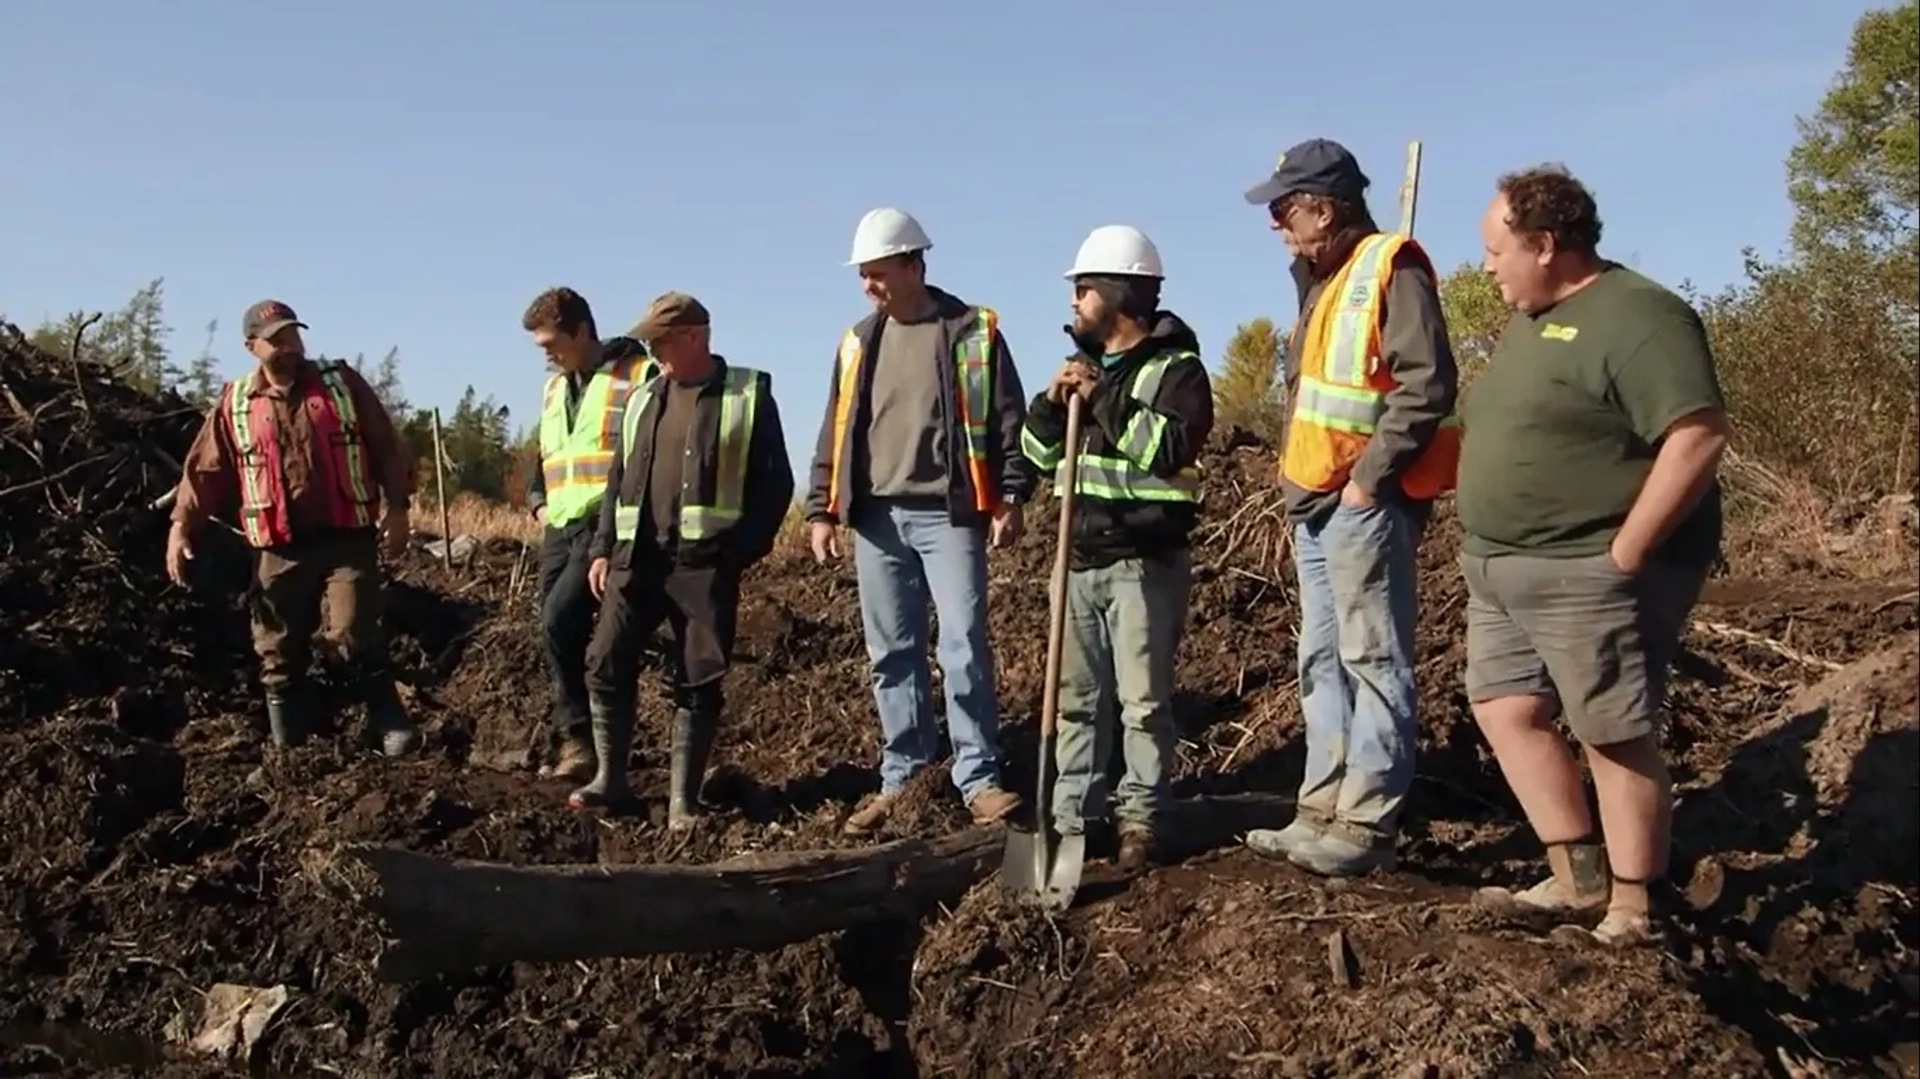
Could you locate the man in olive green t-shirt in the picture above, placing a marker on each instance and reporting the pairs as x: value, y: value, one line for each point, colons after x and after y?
x: 1592, y: 513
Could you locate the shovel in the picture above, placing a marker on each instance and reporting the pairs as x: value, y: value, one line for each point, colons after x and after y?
x: 1041, y: 866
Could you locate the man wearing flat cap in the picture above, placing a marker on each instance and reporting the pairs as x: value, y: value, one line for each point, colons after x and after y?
x: 307, y: 458
x: 1371, y: 442
x: 699, y: 487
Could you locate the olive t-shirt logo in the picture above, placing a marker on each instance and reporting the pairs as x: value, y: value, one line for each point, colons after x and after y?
x: 1553, y: 331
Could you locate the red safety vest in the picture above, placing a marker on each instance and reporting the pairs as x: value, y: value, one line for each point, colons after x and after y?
x: 342, y: 467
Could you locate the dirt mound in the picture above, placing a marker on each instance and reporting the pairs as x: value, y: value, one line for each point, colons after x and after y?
x: 146, y: 854
x: 86, y: 618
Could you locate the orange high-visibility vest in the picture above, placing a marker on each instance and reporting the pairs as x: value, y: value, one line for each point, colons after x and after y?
x: 1343, y: 383
x: 973, y: 392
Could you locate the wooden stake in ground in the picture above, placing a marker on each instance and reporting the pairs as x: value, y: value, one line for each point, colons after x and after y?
x: 440, y: 492
x: 1410, y: 187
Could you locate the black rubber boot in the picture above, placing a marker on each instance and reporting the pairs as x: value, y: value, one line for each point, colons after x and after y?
x: 613, y: 745
x: 693, y: 735
x: 387, y: 718
x: 286, y: 720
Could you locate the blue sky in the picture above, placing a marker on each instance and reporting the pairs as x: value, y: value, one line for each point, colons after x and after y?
x: 412, y: 173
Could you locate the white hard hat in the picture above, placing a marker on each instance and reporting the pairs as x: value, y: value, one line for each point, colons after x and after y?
x: 884, y: 233
x: 1117, y: 249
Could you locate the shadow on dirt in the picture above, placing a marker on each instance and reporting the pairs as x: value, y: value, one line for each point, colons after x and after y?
x: 761, y: 803
x: 431, y: 630
x: 1768, y: 936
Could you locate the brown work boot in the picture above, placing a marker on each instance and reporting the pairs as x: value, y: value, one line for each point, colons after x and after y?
x: 1136, y: 850
x: 576, y: 762
x: 990, y: 804
x: 870, y: 813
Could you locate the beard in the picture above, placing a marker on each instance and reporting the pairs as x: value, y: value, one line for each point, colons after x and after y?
x: 1096, y: 329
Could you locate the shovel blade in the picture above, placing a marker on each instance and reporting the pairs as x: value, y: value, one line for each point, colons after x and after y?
x: 1043, y: 869
x: 1024, y: 866
x: 1063, y: 877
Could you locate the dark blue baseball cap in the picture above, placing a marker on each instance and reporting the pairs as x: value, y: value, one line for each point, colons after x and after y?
x: 1314, y: 167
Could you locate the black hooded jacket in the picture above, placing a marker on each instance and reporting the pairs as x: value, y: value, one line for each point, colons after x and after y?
x: 1106, y: 531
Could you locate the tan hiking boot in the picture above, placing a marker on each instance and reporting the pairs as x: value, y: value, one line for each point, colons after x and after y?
x: 990, y: 804
x: 576, y: 763
x: 1136, y: 850
x: 870, y: 813
x: 1547, y: 897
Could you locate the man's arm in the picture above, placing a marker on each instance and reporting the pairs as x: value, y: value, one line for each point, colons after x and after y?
x: 209, y: 477
x: 1010, y: 412
x: 1415, y: 349
x: 393, y: 464
x: 820, y: 475
x: 769, y: 493
x: 1671, y: 394
x: 604, y: 527
x: 1043, y: 436
x: 1167, y: 436
x: 537, y: 480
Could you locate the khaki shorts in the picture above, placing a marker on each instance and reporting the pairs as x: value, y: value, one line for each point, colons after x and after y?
x: 1581, y: 631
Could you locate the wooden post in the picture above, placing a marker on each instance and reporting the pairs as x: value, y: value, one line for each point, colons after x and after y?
x: 440, y: 489
x: 1410, y: 187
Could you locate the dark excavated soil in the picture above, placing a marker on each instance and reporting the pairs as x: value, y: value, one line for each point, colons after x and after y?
x: 146, y: 854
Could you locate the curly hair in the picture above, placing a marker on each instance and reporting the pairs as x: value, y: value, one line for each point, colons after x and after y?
x: 1546, y: 200
x: 561, y: 308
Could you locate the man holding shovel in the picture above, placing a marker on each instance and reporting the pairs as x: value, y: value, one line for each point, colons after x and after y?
x: 1136, y: 372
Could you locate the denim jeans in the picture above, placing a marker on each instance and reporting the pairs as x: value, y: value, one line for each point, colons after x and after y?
x: 1124, y: 624
x: 904, y: 554
x: 1358, y: 603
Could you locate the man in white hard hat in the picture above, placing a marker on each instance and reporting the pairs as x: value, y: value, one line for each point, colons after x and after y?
x: 1148, y: 409
x: 1371, y: 442
x: 919, y: 455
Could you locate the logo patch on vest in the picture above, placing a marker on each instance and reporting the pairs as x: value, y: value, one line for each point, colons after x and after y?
x: 1553, y: 331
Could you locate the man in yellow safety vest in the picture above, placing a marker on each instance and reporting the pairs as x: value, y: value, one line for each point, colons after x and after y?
x: 1149, y: 409
x: 696, y: 493
x: 580, y: 416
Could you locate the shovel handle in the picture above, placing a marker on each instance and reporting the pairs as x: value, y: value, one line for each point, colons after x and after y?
x: 1057, y: 626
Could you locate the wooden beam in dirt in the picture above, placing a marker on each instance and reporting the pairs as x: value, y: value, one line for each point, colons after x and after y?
x: 443, y: 915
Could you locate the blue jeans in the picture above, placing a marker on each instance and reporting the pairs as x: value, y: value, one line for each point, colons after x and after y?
x: 1358, y: 604
x: 902, y: 554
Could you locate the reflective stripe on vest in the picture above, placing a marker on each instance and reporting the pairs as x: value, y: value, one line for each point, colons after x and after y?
x: 1343, y: 384
x: 576, y: 458
x: 973, y: 382
x: 340, y: 466
x: 1123, y: 476
x: 738, y: 403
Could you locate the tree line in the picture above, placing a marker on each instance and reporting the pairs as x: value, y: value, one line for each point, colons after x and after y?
x: 1818, y: 347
